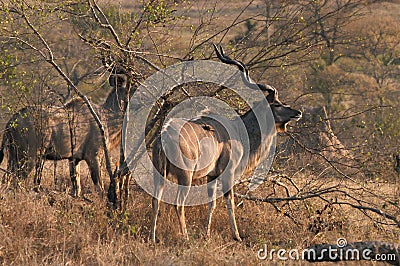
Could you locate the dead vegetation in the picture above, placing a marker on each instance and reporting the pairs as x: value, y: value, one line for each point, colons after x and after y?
x: 51, y: 228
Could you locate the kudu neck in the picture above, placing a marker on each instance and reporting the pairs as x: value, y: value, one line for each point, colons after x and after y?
x: 260, y: 139
x: 114, y: 110
x: 117, y: 100
x: 253, y: 122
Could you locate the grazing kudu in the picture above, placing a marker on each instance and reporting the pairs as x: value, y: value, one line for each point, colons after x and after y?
x: 226, y: 152
x: 66, y: 132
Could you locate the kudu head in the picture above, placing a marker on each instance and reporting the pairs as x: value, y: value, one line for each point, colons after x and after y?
x: 283, y: 113
x: 119, y: 80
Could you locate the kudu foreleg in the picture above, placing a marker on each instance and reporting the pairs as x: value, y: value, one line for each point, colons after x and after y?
x: 125, y: 191
x: 180, y: 211
x: 37, y: 179
x: 55, y: 173
x: 183, y: 191
x: 122, y: 189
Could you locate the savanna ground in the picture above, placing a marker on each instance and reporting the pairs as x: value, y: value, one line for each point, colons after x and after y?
x: 360, y: 87
x: 53, y: 228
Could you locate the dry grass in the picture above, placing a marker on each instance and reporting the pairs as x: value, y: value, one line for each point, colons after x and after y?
x: 52, y: 228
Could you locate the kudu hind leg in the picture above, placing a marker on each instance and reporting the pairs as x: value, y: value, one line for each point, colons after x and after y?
x: 230, y: 204
x: 20, y: 165
x: 211, y: 190
x: 183, y: 191
x: 158, y: 192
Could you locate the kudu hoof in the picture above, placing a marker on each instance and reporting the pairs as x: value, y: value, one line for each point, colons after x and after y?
x: 37, y: 189
x: 237, y: 238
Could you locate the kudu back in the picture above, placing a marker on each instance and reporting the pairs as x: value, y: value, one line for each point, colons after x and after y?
x: 224, y: 152
x: 67, y: 132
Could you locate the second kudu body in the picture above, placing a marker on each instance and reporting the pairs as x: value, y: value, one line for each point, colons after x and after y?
x: 66, y: 132
x: 227, y: 152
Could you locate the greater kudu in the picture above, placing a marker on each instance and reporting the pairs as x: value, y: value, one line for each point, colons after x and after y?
x: 219, y: 149
x: 66, y: 132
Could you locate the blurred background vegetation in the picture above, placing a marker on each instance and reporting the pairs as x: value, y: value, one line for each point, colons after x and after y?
x: 343, y: 55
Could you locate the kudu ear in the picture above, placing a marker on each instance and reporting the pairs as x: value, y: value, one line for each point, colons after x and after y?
x: 272, y: 92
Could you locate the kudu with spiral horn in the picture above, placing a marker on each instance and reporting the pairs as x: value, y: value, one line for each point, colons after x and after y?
x: 220, y: 146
